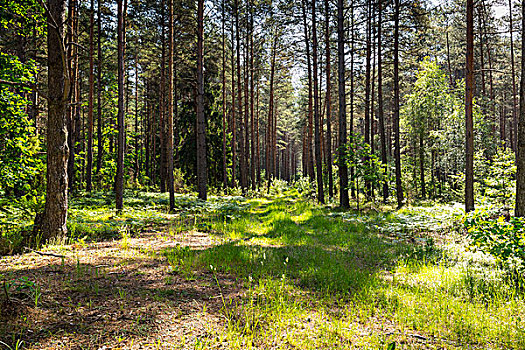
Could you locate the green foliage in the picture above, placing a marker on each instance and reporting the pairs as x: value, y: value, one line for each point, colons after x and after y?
x: 24, y: 17
x: 496, y: 176
x: 505, y: 240
x: 433, y: 118
x: 18, y: 142
x: 367, y: 165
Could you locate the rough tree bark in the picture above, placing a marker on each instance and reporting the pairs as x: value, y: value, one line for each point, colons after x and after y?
x: 309, y: 154
x: 100, y: 143
x: 169, y: 134
x: 469, y: 94
x: 119, y: 177
x: 318, y: 157
x: 380, y: 109
x: 328, y: 102
x: 514, y: 88
x: 397, y: 150
x: 89, y: 167
x: 233, y: 116
x: 224, y: 165
x: 53, y: 221
x: 202, y: 171
x: 520, y: 156
x: 344, y: 201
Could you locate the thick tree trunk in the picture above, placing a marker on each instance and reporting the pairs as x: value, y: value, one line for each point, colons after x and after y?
x: 202, y: 171
x: 469, y: 127
x: 520, y: 156
x: 53, y: 222
x: 119, y: 178
x: 343, y: 169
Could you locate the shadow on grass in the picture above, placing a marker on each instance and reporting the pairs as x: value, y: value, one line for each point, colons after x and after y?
x: 87, y: 306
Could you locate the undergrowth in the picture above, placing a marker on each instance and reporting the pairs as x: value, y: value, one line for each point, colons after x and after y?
x: 314, y: 277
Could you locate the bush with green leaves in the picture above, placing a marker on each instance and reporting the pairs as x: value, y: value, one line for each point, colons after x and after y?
x: 504, y: 239
x: 496, y: 176
x: 367, y: 165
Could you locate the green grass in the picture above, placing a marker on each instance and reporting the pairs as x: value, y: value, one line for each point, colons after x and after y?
x: 321, y: 279
x: 313, y: 277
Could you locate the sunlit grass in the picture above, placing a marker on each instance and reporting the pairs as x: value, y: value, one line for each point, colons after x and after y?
x: 315, y: 280
x: 313, y: 277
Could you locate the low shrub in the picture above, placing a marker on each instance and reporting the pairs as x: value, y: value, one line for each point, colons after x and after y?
x: 503, y: 238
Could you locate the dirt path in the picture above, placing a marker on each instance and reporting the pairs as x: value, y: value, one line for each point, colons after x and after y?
x: 111, y: 295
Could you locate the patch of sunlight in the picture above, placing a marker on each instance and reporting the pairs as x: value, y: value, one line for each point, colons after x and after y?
x: 302, y: 217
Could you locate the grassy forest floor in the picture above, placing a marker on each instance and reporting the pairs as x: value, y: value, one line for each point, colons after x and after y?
x: 276, y: 272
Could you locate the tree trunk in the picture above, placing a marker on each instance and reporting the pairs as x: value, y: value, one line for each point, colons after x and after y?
x: 380, y: 112
x: 368, y: 106
x: 352, y: 87
x: 481, y: 51
x: 100, y: 143
x: 202, y: 173
x: 224, y: 165
x: 136, y: 136
x: 310, y: 156
x: 53, y: 222
x: 343, y: 169
x: 328, y: 102
x: 318, y: 157
x: 469, y: 126
x: 72, y: 59
x: 520, y: 156
x: 162, y: 102
x: 422, y: 166
x: 89, y: 167
x: 257, y: 138
x: 233, y: 116
x: 119, y: 178
x: 252, y: 103
x: 246, y: 126
x: 169, y: 135
x: 514, y: 88
x: 397, y: 150
x: 451, y: 81
x: 269, y: 125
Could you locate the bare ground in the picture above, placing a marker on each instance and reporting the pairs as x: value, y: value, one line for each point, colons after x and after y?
x: 111, y: 295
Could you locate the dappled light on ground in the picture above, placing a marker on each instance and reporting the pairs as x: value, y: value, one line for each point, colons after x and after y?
x: 263, y: 273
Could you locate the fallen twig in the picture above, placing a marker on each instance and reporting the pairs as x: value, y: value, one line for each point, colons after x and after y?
x: 46, y: 254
